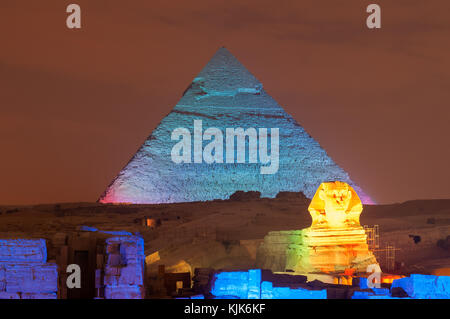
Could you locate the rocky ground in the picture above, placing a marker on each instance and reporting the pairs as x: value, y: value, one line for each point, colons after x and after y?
x: 226, y: 233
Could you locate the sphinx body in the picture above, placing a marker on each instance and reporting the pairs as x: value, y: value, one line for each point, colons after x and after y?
x: 334, y: 243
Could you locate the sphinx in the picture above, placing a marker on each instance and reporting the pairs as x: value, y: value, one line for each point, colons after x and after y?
x: 334, y: 243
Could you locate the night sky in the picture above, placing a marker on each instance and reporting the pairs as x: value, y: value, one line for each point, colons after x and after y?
x: 75, y: 105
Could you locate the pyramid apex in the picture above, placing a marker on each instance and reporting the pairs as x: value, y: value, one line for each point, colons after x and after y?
x: 225, y: 74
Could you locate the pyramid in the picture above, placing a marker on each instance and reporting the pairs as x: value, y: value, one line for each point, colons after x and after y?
x: 224, y: 95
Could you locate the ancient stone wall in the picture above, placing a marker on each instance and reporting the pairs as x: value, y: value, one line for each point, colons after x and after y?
x: 424, y: 286
x: 24, y: 271
x: 124, y: 268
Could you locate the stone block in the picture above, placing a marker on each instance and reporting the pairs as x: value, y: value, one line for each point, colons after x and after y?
x: 114, y: 260
x: 132, y: 274
x: 298, y: 293
x: 124, y: 292
x: 23, y: 250
x: 31, y: 278
x: 112, y: 270
x: 424, y: 286
x: 266, y: 290
x: 9, y: 295
x: 28, y: 295
x: 443, y: 285
x: 112, y: 248
x: 110, y: 280
x: 231, y: 283
x: 2, y: 272
x: 254, y: 284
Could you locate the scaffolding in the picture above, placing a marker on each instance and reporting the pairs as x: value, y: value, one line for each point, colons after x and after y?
x: 373, y: 236
x: 387, y: 254
x: 390, y: 257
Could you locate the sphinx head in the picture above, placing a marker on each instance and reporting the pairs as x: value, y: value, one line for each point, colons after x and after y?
x: 335, y: 204
x: 336, y: 196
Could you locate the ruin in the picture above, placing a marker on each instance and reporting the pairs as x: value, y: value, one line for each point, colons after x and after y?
x: 24, y: 270
x: 211, y: 252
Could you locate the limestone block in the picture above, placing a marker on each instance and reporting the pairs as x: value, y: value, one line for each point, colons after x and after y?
x: 132, y: 274
x: 124, y: 270
x: 298, y: 293
x: 112, y: 270
x: 32, y: 278
x: 443, y: 285
x: 110, y: 280
x: 130, y: 248
x: 112, y: 247
x: 254, y: 284
x: 266, y: 290
x: 2, y: 272
x: 124, y: 292
x: 114, y: 260
x: 232, y: 283
x: 28, y: 295
x: 23, y: 250
x: 9, y: 295
x: 424, y: 286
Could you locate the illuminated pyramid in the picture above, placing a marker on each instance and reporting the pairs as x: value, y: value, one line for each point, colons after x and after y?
x: 224, y: 95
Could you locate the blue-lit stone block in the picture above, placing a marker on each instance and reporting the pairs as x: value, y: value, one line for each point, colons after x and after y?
x: 254, y: 284
x: 87, y: 228
x: 266, y: 290
x: 443, y: 285
x: 124, y: 270
x: 116, y: 232
x: 232, y: 283
x: 380, y: 291
x: 226, y: 297
x: 298, y: 293
x: 363, y: 283
x: 31, y: 278
x: 9, y: 295
x: 123, y: 292
x: 248, y: 285
x: 361, y: 295
x: 39, y: 295
x: 23, y: 251
x: 24, y: 272
x: 425, y: 286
